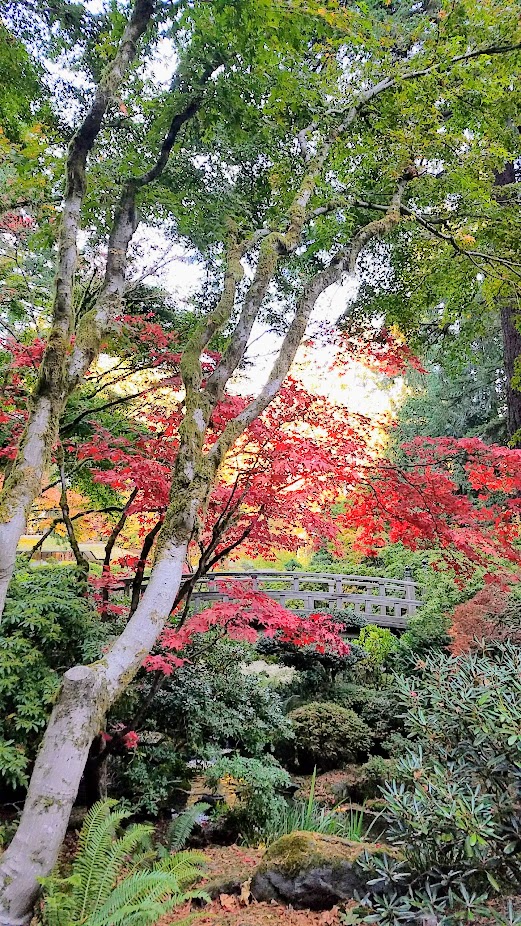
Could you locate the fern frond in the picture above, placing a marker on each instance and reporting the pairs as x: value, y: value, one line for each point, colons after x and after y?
x: 181, y: 828
x: 96, y: 815
x: 139, y: 893
x: 99, y: 894
x: 58, y: 911
x: 119, y: 852
x: 186, y: 866
x: 93, y: 860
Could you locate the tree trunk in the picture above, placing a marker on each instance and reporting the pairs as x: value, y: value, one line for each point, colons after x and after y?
x: 87, y: 693
x: 511, y: 335
x: 24, y: 482
x: 94, y: 785
x: 511, y: 353
x: 34, y: 849
x: 58, y: 374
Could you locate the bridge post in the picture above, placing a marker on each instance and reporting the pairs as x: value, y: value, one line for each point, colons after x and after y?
x: 410, y: 592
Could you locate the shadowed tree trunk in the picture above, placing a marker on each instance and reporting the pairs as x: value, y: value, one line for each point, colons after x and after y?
x: 510, y: 319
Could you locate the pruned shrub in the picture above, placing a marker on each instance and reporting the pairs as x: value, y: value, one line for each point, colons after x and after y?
x: 327, y: 735
x: 257, y: 785
x: 377, y: 707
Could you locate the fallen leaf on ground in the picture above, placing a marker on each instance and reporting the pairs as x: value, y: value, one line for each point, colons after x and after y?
x: 227, y: 902
x: 245, y: 895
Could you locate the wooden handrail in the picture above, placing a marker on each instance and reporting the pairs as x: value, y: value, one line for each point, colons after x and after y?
x: 376, y: 599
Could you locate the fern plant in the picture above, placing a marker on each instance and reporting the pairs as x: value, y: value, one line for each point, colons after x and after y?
x: 108, y: 884
x: 181, y: 827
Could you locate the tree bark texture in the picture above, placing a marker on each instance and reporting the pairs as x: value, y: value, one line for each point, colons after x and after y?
x: 52, y: 389
x: 510, y: 318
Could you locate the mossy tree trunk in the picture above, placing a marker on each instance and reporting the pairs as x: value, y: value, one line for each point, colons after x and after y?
x: 53, y: 385
x: 71, y: 348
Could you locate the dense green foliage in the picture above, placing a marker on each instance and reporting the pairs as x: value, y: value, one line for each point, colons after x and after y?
x: 48, y: 626
x: 311, y: 816
x: 153, y: 778
x: 211, y: 703
x: 327, y: 735
x: 257, y: 785
x: 453, y: 810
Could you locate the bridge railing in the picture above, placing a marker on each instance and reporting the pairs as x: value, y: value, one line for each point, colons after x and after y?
x: 385, y: 602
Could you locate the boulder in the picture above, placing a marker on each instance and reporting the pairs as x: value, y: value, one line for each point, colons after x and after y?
x: 313, y: 871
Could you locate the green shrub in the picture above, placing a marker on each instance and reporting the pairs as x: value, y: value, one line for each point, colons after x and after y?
x: 328, y: 735
x: 47, y: 627
x: 374, y: 774
x: 210, y: 704
x: 378, y: 643
x: 377, y: 707
x: 152, y: 778
x: 454, y: 813
x: 106, y: 886
x: 257, y: 786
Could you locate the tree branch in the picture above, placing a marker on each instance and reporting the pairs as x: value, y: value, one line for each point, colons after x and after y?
x: 140, y: 569
x: 344, y: 261
x: 109, y: 547
x: 66, y: 516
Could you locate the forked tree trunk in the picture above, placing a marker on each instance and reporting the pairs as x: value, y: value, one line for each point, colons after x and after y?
x: 86, y: 694
x: 88, y: 691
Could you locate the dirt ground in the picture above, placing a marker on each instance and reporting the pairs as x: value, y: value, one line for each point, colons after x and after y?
x: 229, y: 910
x: 233, y: 910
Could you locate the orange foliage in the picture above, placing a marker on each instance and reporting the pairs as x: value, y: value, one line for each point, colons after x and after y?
x: 481, y: 619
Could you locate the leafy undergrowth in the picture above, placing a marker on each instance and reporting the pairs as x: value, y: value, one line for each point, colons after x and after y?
x: 230, y: 910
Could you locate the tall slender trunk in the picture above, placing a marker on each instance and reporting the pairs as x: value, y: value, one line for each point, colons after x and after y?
x: 86, y: 694
x: 510, y: 318
x: 74, y: 722
x: 24, y: 481
x: 54, y: 384
x: 509, y: 330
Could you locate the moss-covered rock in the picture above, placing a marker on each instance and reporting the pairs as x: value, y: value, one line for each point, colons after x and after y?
x: 312, y: 871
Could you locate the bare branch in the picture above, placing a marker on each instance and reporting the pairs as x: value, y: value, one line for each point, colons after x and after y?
x: 66, y: 516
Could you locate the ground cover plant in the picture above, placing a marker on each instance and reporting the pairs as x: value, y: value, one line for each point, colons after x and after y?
x: 106, y: 884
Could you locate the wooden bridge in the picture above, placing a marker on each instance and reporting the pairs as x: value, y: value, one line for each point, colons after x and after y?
x: 385, y: 602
